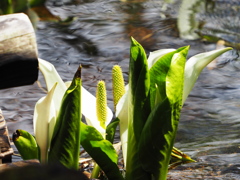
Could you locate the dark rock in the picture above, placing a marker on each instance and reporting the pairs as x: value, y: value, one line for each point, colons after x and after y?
x: 37, y: 171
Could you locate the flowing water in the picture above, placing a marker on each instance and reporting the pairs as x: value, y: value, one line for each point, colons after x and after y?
x: 98, y: 38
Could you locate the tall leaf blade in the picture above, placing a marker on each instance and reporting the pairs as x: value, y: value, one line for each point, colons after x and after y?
x: 101, y: 150
x: 158, y: 73
x: 156, y: 140
x: 139, y: 108
x: 160, y: 129
x: 65, y: 145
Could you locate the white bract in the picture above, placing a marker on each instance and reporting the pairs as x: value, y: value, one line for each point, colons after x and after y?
x: 47, y: 108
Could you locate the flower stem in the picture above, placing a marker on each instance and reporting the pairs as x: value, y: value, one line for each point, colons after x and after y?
x: 95, y: 172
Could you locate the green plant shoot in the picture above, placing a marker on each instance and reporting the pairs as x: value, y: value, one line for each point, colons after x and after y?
x: 26, y: 144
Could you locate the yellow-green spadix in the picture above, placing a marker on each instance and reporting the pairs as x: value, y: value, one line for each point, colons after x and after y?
x: 101, y: 105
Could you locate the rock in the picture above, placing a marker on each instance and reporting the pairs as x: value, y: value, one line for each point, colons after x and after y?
x: 32, y: 169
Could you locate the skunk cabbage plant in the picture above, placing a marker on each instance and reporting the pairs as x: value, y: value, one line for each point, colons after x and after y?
x: 147, y: 110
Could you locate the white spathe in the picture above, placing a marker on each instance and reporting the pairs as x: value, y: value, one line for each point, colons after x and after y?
x: 47, y: 108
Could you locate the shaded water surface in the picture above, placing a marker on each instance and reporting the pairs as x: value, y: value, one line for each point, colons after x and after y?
x: 98, y: 38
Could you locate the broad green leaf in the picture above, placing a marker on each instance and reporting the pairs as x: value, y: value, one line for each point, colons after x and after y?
x: 160, y: 129
x: 194, y: 67
x: 43, y: 123
x: 158, y: 73
x: 101, y: 150
x: 26, y: 145
x: 65, y: 145
x: 157, y: 140
x: 111, y: 129
x: 139, y: 108
x: 156, y: 55
x: 175, y: 77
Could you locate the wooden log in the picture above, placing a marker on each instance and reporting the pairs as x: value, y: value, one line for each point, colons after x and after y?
x: 18, y: 51
x: 5, y: 148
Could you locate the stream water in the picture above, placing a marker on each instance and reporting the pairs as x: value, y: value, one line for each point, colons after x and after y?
x: 98, y: 38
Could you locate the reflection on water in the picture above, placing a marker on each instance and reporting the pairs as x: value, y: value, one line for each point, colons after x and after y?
x: 99, y: 38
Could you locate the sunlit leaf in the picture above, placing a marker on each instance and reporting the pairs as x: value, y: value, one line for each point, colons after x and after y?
x: 139, y: 108
x: 156, y: 55
x: 158, y: 73
x: 65, y: 145
x: 101, y: 150
x: 160, y: 129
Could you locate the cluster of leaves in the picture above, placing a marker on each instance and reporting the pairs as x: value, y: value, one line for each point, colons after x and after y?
x: 147, y: 110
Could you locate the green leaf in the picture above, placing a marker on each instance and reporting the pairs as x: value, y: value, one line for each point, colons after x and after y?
x: 160, y: 129
x: 101, y: 150
x: 139, y: 108
x: 26, y: 144
x: 65, y: 145
x: 157, y: 140
x: 156, y: 55
x: 158, y: 73
x: 175, y: 77
x: 111, y: 130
